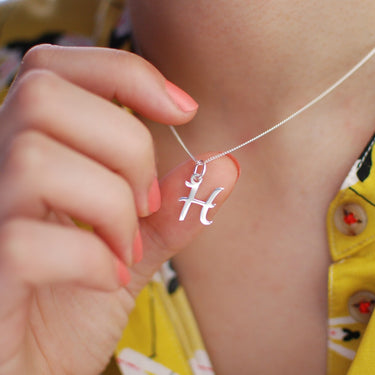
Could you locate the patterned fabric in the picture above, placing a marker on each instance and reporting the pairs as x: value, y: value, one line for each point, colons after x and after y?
x: 353, y: 272
x: 162, y: 337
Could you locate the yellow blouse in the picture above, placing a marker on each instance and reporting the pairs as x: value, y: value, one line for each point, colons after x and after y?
x: 162, y: 337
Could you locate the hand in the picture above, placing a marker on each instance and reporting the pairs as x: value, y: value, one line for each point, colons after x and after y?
x: 68, y: 152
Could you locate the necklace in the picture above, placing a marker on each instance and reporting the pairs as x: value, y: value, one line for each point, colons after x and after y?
x: 201, y: 165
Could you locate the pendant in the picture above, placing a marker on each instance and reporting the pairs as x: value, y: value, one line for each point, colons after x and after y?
x: 194, y: 183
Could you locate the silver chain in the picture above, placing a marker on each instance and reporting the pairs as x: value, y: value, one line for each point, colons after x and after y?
x: 295, y: 114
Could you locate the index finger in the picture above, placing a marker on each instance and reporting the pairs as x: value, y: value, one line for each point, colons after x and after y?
x: 116, y: 74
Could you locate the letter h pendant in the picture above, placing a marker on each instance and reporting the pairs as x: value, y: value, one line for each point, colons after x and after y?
x: 194, y: 183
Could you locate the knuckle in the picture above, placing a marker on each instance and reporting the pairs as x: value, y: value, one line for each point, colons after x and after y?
x: 134, y: 63
x: 124, y: 57
x: 121, y: 59
x: 33, y: 95
x: 12, y: 247
x: 26, y: 153
x: 144, y: 144
x: 36, y: 56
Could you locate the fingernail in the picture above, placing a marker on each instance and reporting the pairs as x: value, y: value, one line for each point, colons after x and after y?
x: 184, y: 101
x: 123, y: 274
x: 154, y: 199
x: 137, y: 248
x: 236, y: 163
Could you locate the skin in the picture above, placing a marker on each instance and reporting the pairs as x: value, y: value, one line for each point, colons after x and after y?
x: 257, y: 279
x: 57, y: 159
x: 276, y: 256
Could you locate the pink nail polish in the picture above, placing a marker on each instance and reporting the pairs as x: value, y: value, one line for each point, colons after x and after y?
x: 184, y: 101
x: 137, y: 248
x: 122, y: 273
x: 236, y: 163
x: 154, y: 199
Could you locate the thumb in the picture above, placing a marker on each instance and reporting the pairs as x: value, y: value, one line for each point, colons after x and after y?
x: 163, y: 234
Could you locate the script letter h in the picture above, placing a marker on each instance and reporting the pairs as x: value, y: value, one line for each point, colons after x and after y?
x: 194, y: 185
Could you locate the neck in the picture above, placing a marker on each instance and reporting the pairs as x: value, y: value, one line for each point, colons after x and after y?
x: 252, y: 64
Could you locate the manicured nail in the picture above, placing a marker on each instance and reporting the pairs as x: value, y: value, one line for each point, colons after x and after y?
x: 122, y: 273
x: 184, y: 101
x: 137, y: 248
x: 154, y: 199
x: 236, y: 163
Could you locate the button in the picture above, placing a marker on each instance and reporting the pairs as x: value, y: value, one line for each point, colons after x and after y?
x: 350, y: 219
x: 361, y: 305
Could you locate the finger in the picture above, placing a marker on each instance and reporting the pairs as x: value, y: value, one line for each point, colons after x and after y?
x: 39, y: 253
x: 119, y: 75
x: 163, y: 234
x: 41, y: 174
x: 95, y: 127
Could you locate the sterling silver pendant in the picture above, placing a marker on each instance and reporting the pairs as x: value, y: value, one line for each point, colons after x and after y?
x: 194, y: 183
